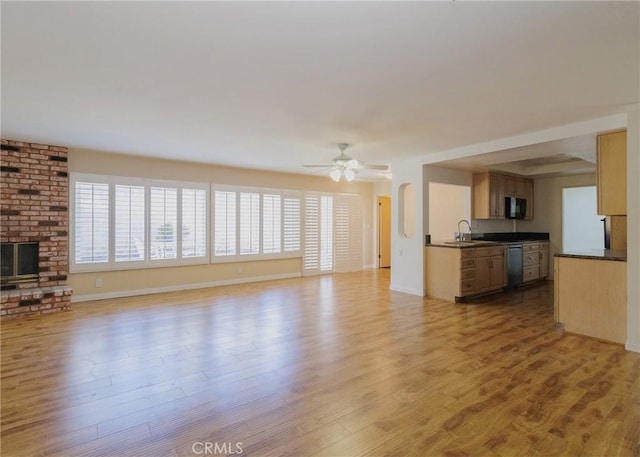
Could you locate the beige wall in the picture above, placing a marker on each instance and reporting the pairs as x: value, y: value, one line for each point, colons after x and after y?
x: 118, y: 283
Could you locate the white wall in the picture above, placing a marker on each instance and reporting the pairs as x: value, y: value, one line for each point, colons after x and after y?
x: 448, y: 204
x: 633, y: 229
x: 407, y: 266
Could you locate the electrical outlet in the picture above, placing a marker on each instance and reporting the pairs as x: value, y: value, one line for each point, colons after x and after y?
x: 98, y: 282
x: 238, y: 270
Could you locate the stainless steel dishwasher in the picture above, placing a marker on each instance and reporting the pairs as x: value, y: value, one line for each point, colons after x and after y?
x: 514, y: 265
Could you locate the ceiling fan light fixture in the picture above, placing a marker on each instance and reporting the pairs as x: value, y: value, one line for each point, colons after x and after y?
x: 335, y: 174
x: 349, y: 174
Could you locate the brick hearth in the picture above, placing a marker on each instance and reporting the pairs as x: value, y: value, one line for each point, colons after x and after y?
x: 34, y: 206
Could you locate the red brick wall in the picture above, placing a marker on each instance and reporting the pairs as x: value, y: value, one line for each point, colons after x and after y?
x: 34, y: 206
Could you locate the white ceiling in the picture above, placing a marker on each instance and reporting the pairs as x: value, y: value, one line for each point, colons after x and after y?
x: 277, y: 85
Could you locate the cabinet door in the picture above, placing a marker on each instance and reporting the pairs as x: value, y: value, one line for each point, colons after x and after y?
x: 509, y: 186
x: 544, y: 262
x: 612, y: 174
x: 496, y: 196
x: 520, y: 189
x: 483, y: 274
x: 528, y: 195
x: 497, y: 276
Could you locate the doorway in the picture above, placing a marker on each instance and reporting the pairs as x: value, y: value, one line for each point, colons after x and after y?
x: 384, y: 231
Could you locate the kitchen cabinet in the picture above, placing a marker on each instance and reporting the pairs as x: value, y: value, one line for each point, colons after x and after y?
x: 488, y: 196
x: 490, y: 269
x: 528, y: 195
x: 514, y: 187
x: 612, y: 174
x: 453, y: 274
x: 490, y: 189
x: 535, y: 261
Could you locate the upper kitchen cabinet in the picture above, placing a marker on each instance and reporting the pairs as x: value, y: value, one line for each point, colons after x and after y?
x: 490, y: 189
x: 488, y: 196
x: 528, y: 195
x: 514, y: 187
x: 612, y: 174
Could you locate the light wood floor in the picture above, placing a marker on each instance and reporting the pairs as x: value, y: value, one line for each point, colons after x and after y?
x: 327, y: 366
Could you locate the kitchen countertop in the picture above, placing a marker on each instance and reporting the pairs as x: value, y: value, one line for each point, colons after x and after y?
x: 596, y: 254
x: 463, y: 244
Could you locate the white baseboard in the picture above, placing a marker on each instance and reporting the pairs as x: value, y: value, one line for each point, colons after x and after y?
x: 178, y: 287
x: 633, y: 347
x: 368, y: 267
x: 406, y: 290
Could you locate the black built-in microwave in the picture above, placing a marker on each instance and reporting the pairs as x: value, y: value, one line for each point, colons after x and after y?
x: 515, y: 208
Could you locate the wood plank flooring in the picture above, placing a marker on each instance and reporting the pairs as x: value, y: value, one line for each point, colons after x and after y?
x: 322, y: 366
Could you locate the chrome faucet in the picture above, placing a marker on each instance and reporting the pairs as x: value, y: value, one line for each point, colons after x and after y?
x: 459, y: 235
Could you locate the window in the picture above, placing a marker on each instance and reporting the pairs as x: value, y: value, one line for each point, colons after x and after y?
x: 291, y: 222
x: 225, y: 223
x: 122, y: 223
x: 271, y: 223
x: 130, y: 218
x: 91, y: 224
x: 163, y: 221
x: 194, y: 223
x: 256, y: 223
x: 249, y: 223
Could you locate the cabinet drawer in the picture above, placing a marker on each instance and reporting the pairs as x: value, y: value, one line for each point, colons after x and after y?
x: 467, y: 287
x: 467, y: 253
x: 532, y: 258
x: 468, y: 274
x: 489, y: 252
x: 530, y: 247
x: 467, y: 263
x: 530, y: 273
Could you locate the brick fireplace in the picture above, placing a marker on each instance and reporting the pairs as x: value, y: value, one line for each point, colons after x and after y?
x: 34, y: 207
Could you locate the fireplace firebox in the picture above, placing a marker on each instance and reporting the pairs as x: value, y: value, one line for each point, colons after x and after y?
x: 19, y: 263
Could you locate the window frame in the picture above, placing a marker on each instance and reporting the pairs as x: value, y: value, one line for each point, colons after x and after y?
x: 147, y: 183
x: 238, y: 257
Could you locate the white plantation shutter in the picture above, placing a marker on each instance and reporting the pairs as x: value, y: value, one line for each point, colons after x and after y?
x: 326, y: 233
x: 249, y: 223
x: 194, y: 223
x: 163, y: 217
x: 224, y: 223
x: 355, y: 233
x: 271, y: 224
x: 291, y: 224
x: 129, y: 223
x: 311, y: 233
x: 91, y: 224
x: 342, y: 246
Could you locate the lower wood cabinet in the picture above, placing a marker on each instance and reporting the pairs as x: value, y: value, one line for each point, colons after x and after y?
x: 453, y: 274
x: 535, y: 260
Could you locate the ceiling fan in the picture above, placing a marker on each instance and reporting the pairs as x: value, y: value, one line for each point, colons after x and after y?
x: 346, y: 167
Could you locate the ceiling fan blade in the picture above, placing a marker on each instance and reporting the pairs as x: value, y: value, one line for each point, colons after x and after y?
x: 374, y: 167
x: 318, y: 166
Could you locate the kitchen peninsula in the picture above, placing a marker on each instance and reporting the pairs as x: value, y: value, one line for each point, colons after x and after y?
x: 590, y: 293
